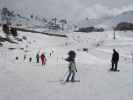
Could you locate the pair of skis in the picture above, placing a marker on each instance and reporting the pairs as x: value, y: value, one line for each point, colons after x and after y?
x: 114, y: 70
x: 64, y: 82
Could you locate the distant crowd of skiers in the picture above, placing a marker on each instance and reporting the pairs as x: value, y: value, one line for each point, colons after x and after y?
x: 39, y: 58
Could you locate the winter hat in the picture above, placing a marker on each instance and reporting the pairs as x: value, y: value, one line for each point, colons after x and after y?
x: 72, y: 54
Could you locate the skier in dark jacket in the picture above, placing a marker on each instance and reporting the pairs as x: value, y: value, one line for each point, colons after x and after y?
x: 37, y: 58
x: 114, y: 60
x: 30, y: 59
x: 72, y: 66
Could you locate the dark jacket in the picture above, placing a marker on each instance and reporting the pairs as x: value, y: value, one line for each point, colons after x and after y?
x: 42, y: 56
x: 115, y: 57
x: 37, y: 56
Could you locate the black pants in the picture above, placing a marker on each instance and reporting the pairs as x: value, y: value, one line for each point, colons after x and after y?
x: 71, y: 73
x: 114, y: 66
x: 37, y: 61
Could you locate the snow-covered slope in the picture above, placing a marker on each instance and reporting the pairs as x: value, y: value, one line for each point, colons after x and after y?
x: 22, y: 80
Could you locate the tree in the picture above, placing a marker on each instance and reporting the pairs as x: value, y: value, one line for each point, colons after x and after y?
x: 7, y: 16
x: 14, y: 31
x: 123, y: 26
x: 6, y: 30
x: 90, y: 29
x: 63, y: 22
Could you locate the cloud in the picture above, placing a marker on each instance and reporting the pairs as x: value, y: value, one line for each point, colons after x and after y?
x: 95, y: 11
x: 73, y: 10
x: 98, y: 11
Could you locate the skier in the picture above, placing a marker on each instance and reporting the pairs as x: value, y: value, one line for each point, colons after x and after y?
x: 17, y: 58
x: 72, y: 66
x: 43, y: 59
x: 114, y: 60
x: 50, y: 54
x: 24, y: 57
x: 37, y: 58
x: 30, y: 59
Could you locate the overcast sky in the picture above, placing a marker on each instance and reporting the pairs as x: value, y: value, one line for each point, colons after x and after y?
x: 70, y: 9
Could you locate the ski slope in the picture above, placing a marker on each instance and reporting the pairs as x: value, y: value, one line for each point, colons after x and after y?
x: 22, y: 80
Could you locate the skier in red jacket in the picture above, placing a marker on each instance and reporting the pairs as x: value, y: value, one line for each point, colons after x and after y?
x: 43, y: 59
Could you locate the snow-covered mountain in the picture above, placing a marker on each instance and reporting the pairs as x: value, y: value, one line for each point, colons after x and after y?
x: 21, y: 19
x: 31, y: 20
x: 108, y: 22
x: 124, y: 17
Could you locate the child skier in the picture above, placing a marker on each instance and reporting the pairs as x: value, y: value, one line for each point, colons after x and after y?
x: 72, y: 66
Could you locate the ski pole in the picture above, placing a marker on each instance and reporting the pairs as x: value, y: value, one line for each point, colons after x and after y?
x: 64, y: 76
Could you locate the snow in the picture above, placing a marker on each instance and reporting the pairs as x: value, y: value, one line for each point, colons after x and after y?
x: 22, y: 80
